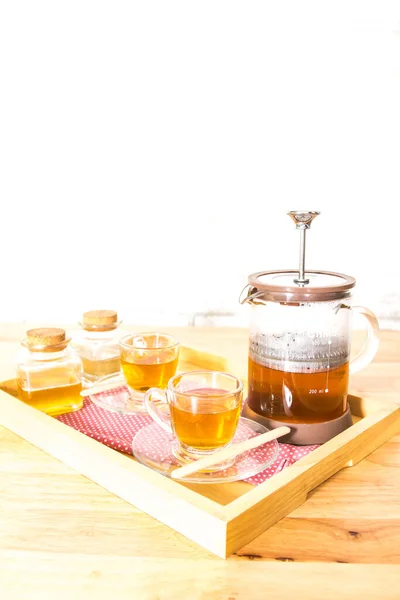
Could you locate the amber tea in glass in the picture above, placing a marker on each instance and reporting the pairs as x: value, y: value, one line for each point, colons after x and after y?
x: 149, y: 360
x: 204, y: 409
x: 206, y: 421
x: 303, y: 397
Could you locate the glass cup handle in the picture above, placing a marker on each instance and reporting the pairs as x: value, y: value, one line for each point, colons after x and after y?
x: 162, y: 398
x: 368, y: 351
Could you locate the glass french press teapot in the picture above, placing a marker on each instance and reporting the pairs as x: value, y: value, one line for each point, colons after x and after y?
x: 299, y: 347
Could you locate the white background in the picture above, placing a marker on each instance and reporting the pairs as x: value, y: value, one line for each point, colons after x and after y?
x: 150, y: 150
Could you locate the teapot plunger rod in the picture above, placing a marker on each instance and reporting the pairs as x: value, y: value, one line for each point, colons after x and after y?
x: 303, y: 220
x: 302, y: 258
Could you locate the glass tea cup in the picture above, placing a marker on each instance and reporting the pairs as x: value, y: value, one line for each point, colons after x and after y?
x: 148, y: 360
x: 204, y: 410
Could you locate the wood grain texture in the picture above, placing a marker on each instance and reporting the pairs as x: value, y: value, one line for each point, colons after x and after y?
x: 225, y: 528
x: 71, y: 576
x: 63, y: 535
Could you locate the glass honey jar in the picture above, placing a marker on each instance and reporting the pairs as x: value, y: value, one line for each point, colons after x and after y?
x: 49, y: 372
x: 98, y: 344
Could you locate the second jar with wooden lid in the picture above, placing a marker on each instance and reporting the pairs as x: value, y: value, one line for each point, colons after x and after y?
x: 97, y: 344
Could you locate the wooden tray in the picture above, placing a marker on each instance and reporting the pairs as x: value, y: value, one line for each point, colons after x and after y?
x: 219, y: 517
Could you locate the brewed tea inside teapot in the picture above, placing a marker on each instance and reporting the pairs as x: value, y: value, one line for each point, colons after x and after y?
x: 299, y: 347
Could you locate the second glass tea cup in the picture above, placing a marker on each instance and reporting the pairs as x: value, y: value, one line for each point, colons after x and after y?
x: 204, y: 410
x: 148, y: 360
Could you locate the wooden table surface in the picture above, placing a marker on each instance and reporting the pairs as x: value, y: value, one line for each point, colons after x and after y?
x: 62, y: 536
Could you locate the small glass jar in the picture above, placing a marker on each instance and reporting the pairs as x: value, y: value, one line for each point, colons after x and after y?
x: 98, y: 345
x: 49, y: 372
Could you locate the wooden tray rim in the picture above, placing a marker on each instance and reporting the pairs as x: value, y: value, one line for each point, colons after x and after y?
x: 222, y: 529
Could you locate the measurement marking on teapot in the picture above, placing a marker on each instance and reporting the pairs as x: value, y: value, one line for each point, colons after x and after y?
x: 318, y: 391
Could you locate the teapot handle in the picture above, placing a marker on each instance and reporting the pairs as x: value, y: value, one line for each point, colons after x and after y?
x: 252, y: 293
x: 370, y: 347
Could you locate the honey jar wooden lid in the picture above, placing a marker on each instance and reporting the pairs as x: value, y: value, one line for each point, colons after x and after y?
x: 100, y: 319
x: 44, y: 337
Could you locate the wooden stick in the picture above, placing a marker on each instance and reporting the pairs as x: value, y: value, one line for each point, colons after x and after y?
x: 230, y: 452
x: 102, y: 387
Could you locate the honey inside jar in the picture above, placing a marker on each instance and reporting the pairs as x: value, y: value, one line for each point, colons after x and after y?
x: 49, y: 372
x: 95, y: 369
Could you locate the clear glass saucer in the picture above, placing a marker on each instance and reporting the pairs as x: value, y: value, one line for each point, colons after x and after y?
x: 157, y: 449
x: 121, y: 399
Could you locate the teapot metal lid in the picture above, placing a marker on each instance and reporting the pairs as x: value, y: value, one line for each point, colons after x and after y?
x: 279, y: 286
x: 291, y: 286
